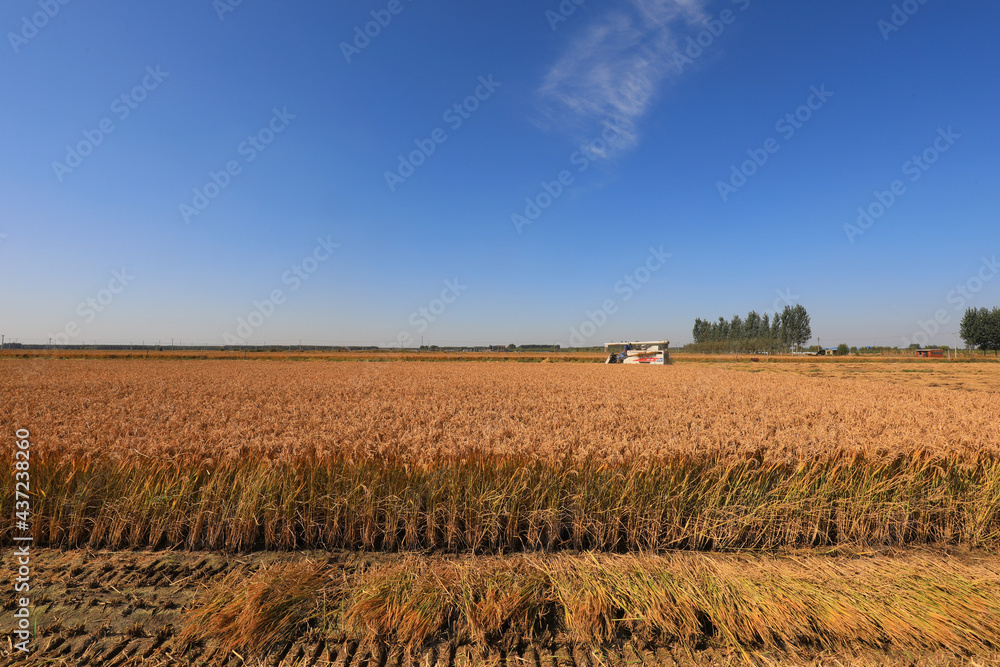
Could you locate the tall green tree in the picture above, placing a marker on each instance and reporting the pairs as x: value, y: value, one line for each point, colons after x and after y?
x: 980, y: 328
x: 798, y: 329
x: 752, y: 326
x: 973, y: 328
x: 755, y: 332
x: 700, y: 331
x: 737, y: 333
x: 993, y: 331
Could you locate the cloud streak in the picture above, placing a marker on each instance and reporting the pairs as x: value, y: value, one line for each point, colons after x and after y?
x: 613, y: 69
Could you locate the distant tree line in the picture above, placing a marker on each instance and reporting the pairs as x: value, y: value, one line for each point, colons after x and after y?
x: 980, y: 328
x: 755, y: 333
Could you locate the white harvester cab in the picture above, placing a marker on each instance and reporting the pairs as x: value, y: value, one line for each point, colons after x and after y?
x: 648, y: 352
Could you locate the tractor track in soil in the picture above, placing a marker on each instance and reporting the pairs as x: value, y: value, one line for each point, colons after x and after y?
x: 119, y: 609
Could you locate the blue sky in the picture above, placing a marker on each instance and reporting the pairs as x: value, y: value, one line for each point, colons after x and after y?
x: 268, y: 172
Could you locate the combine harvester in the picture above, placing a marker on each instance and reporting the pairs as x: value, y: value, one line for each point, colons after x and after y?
x: 648, y: 352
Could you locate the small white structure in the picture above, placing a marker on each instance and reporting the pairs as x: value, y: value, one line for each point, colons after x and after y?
x: 638, y: 352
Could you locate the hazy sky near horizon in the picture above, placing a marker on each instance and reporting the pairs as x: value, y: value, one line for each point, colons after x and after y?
x: 576, y: 172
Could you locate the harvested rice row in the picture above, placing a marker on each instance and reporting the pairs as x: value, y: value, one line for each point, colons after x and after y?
x: 917, y: 602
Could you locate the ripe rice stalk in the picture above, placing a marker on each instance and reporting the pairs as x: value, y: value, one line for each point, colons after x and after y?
x: 261, y: 609
x: 497, y: 504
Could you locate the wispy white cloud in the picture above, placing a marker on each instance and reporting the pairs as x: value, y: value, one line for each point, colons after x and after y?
x: 612, y: 70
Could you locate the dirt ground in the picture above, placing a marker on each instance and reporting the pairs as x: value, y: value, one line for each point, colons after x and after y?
x: 117, y: 609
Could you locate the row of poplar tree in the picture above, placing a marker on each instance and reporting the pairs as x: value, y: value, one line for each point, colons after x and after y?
x: 980, y: 328
x: 754, y: 333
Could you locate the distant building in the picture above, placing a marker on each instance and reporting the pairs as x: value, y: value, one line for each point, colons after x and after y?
x: 930, y: 352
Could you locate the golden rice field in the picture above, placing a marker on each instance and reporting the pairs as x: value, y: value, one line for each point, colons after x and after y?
x: 746, y: 508
x: 209, y: 411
